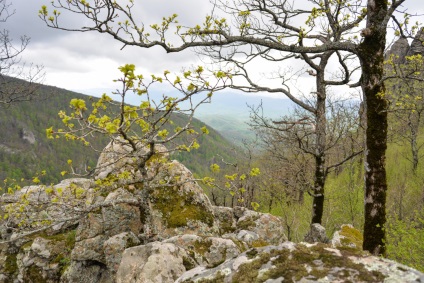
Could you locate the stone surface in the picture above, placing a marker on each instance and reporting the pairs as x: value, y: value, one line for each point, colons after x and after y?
x: 399, y: 50
x: 43, y: 258
x: 118, y: 156
x: 316, y: 234
x: 152, y: 263
x: 347, y: 236
x: 115, y: 246
x: 256, y: 229
x: 206, y: 251
x: 87, y: 272
x: 178, y: 207
x: 417, y: 45
x: 166, y: 230
x: 303, y: 263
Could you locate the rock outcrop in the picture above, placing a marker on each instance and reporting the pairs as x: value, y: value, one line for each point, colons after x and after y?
x: 399, y: 50
x: 290, y: 262
x: 316, y: 234
x: 417, y: 45
x: 165, y: 230
x: 127, y: 227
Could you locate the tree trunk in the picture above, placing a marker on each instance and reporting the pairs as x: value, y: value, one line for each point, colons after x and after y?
x: 320, y: 130
x: 371, y: 54
x: 414, y: 146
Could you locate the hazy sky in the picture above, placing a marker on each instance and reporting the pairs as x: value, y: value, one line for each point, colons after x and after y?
x: 83, y: 61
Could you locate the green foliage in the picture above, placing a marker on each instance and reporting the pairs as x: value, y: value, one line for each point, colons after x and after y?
x: 20, y: 160
x: 405, y: 240
x: 234, y: 184
x: 20, y: 157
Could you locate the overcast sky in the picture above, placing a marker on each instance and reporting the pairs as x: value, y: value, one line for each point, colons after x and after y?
x: 82, y: 61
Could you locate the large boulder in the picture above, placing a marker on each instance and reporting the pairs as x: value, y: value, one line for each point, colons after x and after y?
x: 152, y: 263
x: 347, y: 236
x: 41, y: 258
x: 119, y: 156
x: 316, y: 234
x: 251, y: 227
x: 174, y: 204
x: 303, y: 263
x: 96, y: 228
x: 207, y: 251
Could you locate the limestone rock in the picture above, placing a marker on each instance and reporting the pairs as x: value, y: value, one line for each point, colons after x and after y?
x: 152, y: 263
x: 347, y: 236
x: 87, y: 272
x: 28, y: 136
x: 417, y: 45
x: 225, y: 218
x: 316, y: 234
x: 206, y: 251
x: 177, y: 208
x: 42, y: 259
x: 399, y: 50
x: 121, y: 217
x: 96, y: 228
x: 90, y: 249
x: 115, y: 246
x: 254, y: 228
x: 118, y: 156
x: 303, y: 263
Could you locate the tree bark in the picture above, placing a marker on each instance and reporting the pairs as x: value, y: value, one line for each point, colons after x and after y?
x: 320, y: 129
x: 413, y: 142
x: 371, y: 55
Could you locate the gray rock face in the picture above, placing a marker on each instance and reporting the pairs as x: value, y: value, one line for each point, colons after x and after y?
x: 254, y: 228
x: 118, y: 156
x: 152, y: 263
x: 96, y: 229
x: 303, y: 263
x: 28, y: 136
x: 399, y: 50
x: 316, y: 234
x: 417, y: 45
x: 87, y: 272
x: 115, y: 246
x: 177, y: 208
x: 206, y: 251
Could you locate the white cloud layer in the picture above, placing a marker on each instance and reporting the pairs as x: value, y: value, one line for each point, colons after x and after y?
x: 90, y: 60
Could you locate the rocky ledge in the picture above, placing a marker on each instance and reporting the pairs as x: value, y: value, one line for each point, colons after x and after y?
x: 169, y: 233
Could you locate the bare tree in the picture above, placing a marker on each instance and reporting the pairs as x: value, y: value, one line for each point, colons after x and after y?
x: 12, y: 90
x: 272, y: 27
x: 293, y: 141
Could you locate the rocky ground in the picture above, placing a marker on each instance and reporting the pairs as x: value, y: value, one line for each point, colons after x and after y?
x: 169, y: 233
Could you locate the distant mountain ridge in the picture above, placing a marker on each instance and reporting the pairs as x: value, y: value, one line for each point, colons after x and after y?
x: 229, y: 111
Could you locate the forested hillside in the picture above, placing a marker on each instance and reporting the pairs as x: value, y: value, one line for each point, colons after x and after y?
x: 26, y: 151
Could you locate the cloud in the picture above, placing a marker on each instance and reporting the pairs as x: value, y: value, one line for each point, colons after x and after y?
x: 90, y: 60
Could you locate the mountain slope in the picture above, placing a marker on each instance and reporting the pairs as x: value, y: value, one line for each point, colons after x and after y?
x: 25, y: 149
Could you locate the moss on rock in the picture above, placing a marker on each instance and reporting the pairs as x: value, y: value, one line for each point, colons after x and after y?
x: 178, y: 208
x: 351, y: 236
x: 246, y: 224
x: 311, y: 262
x: 10, y: 265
